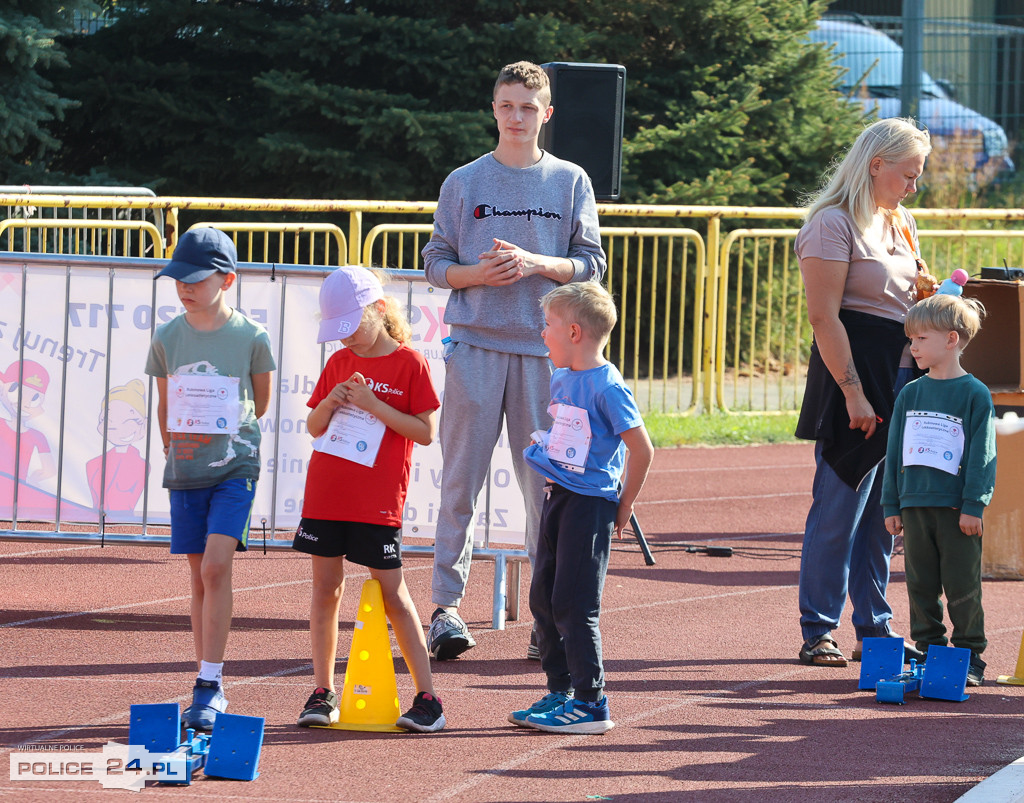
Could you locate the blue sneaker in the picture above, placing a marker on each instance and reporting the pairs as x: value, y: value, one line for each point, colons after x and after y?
x: 574, y: 716
x: 546, y: 703
x: 208, y: 700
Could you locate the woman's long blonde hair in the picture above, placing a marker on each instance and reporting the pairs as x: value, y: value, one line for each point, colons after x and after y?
x: 848, y: 182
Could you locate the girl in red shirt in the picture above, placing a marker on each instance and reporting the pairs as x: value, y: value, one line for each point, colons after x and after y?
x: 373, y: 400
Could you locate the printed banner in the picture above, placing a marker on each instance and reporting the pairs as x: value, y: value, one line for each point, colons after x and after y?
x: 72, y: 382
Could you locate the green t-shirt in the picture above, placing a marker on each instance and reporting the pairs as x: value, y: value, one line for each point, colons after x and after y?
x: 240, y: 348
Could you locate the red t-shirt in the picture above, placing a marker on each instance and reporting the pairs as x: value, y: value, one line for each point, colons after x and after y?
x: 340, y: 490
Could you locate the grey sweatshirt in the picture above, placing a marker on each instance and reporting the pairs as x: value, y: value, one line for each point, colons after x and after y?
x: 547, y: 208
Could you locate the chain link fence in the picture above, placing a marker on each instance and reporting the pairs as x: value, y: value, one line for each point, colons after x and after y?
x: 972, y: 88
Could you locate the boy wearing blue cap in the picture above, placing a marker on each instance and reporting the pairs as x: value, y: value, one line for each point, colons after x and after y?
x: 213, y: 369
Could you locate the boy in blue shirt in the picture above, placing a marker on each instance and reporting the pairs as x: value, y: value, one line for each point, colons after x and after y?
x: 940, y: 471
x: 583, y: 458
x: 213, y: 369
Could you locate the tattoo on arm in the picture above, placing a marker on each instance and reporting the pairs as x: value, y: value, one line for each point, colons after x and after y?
x: 850, y: 376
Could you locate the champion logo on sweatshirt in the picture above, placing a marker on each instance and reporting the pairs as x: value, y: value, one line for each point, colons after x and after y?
x: 486, y: 210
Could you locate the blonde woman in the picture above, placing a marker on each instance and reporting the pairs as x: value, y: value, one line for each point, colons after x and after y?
x: 860, y: 261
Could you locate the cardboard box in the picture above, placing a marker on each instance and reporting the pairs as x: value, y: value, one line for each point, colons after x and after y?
x: 1002, y: 550
x: 995, y: 355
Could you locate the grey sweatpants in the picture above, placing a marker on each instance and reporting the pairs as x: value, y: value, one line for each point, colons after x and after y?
x: 480, y: 387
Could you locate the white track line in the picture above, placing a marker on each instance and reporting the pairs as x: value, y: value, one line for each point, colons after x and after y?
x: 123, y: 716
x: 687, y: 500
x: 185, y: 598
x: 146, y: 603
x: 778, y: 467
x: 1006, y: 786
x: 566, y: 741
x: 48, y: 549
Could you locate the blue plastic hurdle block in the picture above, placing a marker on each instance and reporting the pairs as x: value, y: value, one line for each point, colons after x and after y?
x: 235, y: 746
x: 896, y: 689
x: 881, y: 659
x: 945, y: 673
x: 187, y: 760
x: 156, y: 727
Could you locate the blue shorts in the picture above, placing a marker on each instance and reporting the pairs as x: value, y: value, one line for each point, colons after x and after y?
x: 376, y: 546
x: 223, y: 508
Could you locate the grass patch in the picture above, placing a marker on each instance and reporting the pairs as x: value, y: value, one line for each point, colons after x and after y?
x: 719, y: 429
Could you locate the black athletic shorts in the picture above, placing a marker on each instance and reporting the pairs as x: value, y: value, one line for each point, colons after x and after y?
x: 376, y: 546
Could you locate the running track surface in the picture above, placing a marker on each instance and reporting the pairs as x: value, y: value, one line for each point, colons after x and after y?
x: 710, y: 701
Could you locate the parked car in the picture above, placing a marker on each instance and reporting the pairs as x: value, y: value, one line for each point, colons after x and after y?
x: 874, y: 74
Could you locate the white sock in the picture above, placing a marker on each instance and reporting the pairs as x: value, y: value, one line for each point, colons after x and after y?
x: 211, y: 671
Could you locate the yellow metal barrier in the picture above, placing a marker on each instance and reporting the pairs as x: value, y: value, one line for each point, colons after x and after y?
x: 84, y: 237
x: 761, y: 296
x: 652, y: 273
x: 762, y: 334
x: 945, y: 250
x: 397, y: 258
x: 263, y: 233
x: 712, y: 321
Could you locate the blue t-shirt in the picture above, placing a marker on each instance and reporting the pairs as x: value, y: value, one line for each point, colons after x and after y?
x: 609, y: 405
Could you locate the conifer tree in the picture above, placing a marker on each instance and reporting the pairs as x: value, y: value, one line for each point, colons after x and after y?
x: 381, y: 100
x: 28, y: 29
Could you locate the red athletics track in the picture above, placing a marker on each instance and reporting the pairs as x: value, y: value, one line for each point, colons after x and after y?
x: 710, y: 701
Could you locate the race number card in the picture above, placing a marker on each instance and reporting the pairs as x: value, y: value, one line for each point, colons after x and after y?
x: 202, y: 403
x: 352, y: 434
x: 568, y: 443
x: 933, y: 439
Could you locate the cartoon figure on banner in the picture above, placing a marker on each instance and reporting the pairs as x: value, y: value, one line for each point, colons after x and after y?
x: 123, y: 411
x: 33, y: 383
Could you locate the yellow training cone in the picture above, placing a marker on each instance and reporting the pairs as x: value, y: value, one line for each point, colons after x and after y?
x: 369, y: 700
x: 1017, y: 678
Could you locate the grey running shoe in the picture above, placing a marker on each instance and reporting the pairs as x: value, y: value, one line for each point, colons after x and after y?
x: 448, y: 636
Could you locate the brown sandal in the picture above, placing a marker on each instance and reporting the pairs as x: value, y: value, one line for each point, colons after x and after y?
x: 824, y: 652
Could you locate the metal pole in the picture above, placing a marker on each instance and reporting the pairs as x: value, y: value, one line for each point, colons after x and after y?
x: 913, y: 37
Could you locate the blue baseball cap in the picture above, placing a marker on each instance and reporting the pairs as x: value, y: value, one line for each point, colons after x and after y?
x: 201, y: 252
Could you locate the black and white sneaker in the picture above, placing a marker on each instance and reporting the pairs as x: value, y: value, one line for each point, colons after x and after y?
x: 425, y: 716
x: 448, y: 636
x: 976, y: 670
x: 321, y: 709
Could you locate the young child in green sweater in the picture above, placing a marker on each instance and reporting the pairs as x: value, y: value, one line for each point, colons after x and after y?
x: 940, y: 471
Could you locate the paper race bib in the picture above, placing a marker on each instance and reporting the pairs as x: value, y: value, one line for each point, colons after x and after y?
x: 568, y: 442
x: 203, y: 403
x: 933, y: 439
x: 352, y: 434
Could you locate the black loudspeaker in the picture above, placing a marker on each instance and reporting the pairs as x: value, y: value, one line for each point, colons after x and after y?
x: 586, y: 128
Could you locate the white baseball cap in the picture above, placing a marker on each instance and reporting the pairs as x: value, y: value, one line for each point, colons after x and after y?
x: 343, y: 295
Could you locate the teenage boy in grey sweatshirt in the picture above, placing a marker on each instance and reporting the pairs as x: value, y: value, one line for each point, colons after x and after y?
x: 509, y: 226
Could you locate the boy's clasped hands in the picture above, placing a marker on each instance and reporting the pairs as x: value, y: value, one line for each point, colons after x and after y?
x: 502, y: 264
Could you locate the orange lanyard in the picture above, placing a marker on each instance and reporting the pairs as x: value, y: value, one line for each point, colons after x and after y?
x: 904, y: 229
